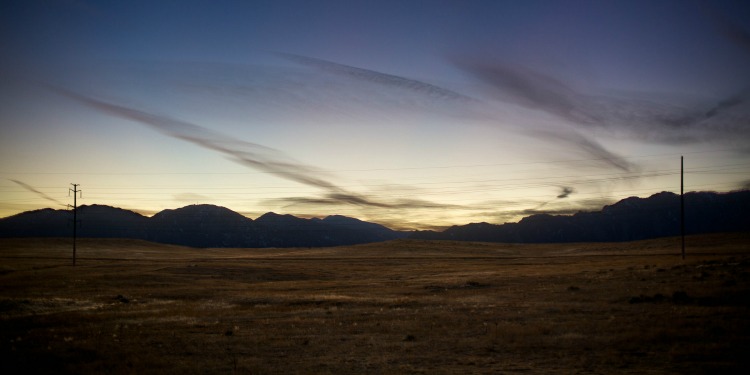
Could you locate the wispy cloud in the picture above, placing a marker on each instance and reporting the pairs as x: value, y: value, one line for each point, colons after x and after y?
x: 254, y: 155
x: 359, y: 200
x: 726, y: 104
x: 37, y: 192
x: 636, y: 118
x: 585, y: 145
x: 250, y: 154
x: 191, y: 197
x: 530, y: 89
x: 522, y: 86
x: 372, y: 76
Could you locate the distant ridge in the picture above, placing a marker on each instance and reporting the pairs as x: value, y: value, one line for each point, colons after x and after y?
x: 627, y: 220
x: 198, y: 226
x: 214, y: 226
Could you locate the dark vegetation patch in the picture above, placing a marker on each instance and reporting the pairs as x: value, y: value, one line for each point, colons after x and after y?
x: 13, y: 305
x: 248, y: 274
x: 658, y: 297
x: 469, y: 285
x: 714, y: 283
x: 291, y: 302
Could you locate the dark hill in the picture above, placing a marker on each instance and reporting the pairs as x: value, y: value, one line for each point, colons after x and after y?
x: 627, y: 220
x: 291, y: 231
x: 102, y: 221
x: 197, y: 226
x: 202, y: 226
x: 213, y: 226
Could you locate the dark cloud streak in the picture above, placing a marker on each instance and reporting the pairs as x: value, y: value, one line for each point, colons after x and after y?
x: 726, y: 104
x: 530, y: 89
x: 639, y: 119
x: 586, y: 145
x: 377, y: 77
x: 540, y: 92
x: 37, y: 192
x: 358, y: 200
x: 256, y: 156
x: 565, y: 192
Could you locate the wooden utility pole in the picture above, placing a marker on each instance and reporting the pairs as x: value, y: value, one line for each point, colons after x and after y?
x: 76, y: 192
x: 682, y: 204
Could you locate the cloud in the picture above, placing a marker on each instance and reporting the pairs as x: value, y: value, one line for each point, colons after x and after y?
x: 533, y: 90
x: 39, y: 193
x: 295, y: 94
x: 250, y: 154
x: 586, y: 145
x: 359, y: 200
x: 191, y: 197
x: 372, y: 76
x: 636, y: 118
x: 267, y: 92
x: 539, y: 211
x: 530, y: 89
x: 661, y: 123
x: 739, y: 36
x: 731, y: 30
x: 584, y: 205
x: 726, y: 104
x: 565, y: 192
x: 254, y: 155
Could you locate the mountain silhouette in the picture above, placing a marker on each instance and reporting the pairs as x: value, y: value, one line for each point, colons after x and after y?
x: 197, y: 226
x: 201, y: 225
x: 214, y: 226
x: 627, y: 220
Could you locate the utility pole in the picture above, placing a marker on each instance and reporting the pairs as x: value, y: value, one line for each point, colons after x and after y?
x: 682, y: 205
x: 76, y: 193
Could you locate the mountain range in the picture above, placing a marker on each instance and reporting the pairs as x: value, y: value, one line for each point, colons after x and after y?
x: 213, y: 226
x: 198, y: 226
x: 630, y: 219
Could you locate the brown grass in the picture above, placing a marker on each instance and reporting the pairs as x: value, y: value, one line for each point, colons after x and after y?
x: 399, y: 307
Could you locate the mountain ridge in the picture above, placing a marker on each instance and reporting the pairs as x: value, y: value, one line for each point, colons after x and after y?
x: 629, y: 219
x: 205, y: 225
x: 199, y: 225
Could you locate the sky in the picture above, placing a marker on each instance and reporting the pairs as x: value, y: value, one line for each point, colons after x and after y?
x: 411, y: 114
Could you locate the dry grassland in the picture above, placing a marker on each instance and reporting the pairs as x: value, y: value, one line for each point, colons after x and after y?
x: 398, y: 307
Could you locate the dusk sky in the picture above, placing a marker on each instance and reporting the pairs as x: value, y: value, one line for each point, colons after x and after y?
x: 412, y: 114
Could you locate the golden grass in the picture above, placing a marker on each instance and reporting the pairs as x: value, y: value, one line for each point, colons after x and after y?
x: 398, y: 307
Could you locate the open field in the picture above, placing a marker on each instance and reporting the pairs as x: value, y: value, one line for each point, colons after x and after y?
x: 398, y: 307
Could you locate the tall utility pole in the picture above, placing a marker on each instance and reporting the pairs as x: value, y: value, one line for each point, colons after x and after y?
x: 682, y: 204
x: 76, y: 193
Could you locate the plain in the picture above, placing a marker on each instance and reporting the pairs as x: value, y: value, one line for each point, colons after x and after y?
x: 405, y: 306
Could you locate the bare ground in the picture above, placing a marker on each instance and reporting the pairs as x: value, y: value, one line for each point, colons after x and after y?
x: 398, y: 307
